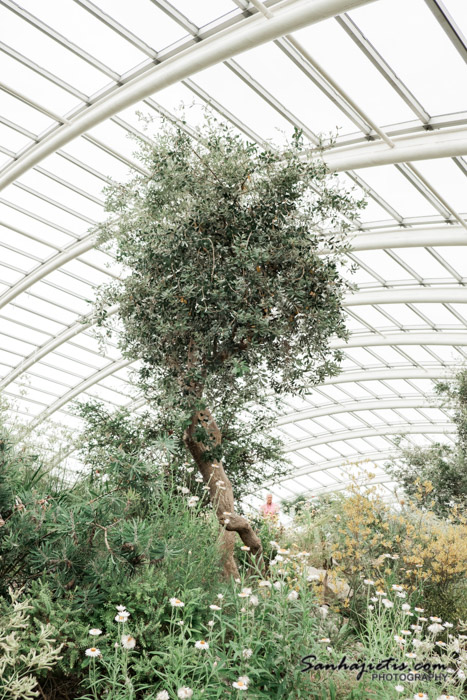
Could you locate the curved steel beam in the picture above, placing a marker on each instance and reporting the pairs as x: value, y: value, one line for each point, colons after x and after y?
x: 93, y: 379
x: 411, y: 295
x: 440, y: 236
x: 387, y: 374
x: 53, y: 263
x: 341, y: 486
x: 340, y: 463
x: 251, y: 32
x: 430, y: 144
x: 402, y: 429
x: 355, y: 406
x: 51, y: 345
x: 407, y: 338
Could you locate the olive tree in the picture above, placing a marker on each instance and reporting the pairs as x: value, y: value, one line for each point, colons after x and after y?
x: 232, y: 286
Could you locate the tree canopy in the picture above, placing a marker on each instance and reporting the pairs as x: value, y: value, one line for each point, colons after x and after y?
x: 232, y: 284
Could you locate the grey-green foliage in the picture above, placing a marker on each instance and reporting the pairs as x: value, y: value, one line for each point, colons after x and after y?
x: 150, y: 438
x: 444, y: 465
x: 24, y: 652
x: 229, y: 289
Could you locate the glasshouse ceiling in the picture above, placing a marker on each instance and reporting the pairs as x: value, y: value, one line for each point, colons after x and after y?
x: 386, y: 78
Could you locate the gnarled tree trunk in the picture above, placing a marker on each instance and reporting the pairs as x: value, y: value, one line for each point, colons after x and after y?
x: 221, y: 492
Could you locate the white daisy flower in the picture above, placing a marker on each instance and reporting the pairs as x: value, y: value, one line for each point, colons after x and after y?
x: 405, y: 606
x: 264, y: 584
x: 254, y: 600
x: 371, y: 607
x: 368, y: 582
x: 184, y: 490
x: 128, y: 642
x: 380, y: 592
x: 435, y: 619
x: 435, y: 628
x: 122, y: 616
x: 215, y: 607
x: 420, y: 696
x: 277, y: 585
x: 411, y: 655
x: 448, y: 624
x: 399, y: 639
x: 120, y: 608
x: 324, y: 640
x: 93, y: 651
x: 387, y: 603
x: 247, y: 653
x: 220, y: 596
x: 396, y: 587
x: 399, y: 688
x: 95, y: 632
x: 163, y: 695
x: 201, y: 644
x: 419, y: 609
x: 406, y: 632
x: 245, y: 548
x: 240, y: 685
x: 211, y: 623
x: 176, y: 603
x: 293, y: 595
x: 184, y: 693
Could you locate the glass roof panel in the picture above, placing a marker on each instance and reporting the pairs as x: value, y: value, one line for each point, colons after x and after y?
x: 424, y: 264
x: 12, y: 217
x: 24, y: 115
x: 61, y: 194
x: 448, y: 180
x: 45, y: 209
x: 412, y: 56
x: 204, y: 12
x: 80, y: 27
x: 144, y: 19
x: 350, y: 68
x: 98, y: 158
x: 12, y: 139
x: 397, y: 191
x: 49, y: 54
x: 35, y: 87
x: 270, y: 66
x: 458, y: 10
x: 225, y: 87
x: 382, y: 264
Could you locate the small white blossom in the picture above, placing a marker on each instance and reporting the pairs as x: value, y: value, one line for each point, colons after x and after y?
x: 120, y: 608
x: 435, y: 628
x: 184, y: 693
x: 387, y: 603
x: 95, y: 632
x: 201, y: 644
x: 254, y: 600
x: 405, y: 606
x: 163, y: 695
x: 215, y: 607
x: 264, y: 584
x: 293, y: 595
x: 122, y: 617
x: 247, y: 653
x: 93, y: 651
x: 399, y: 688
x: 176, y: 603
x: 128, y: 642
